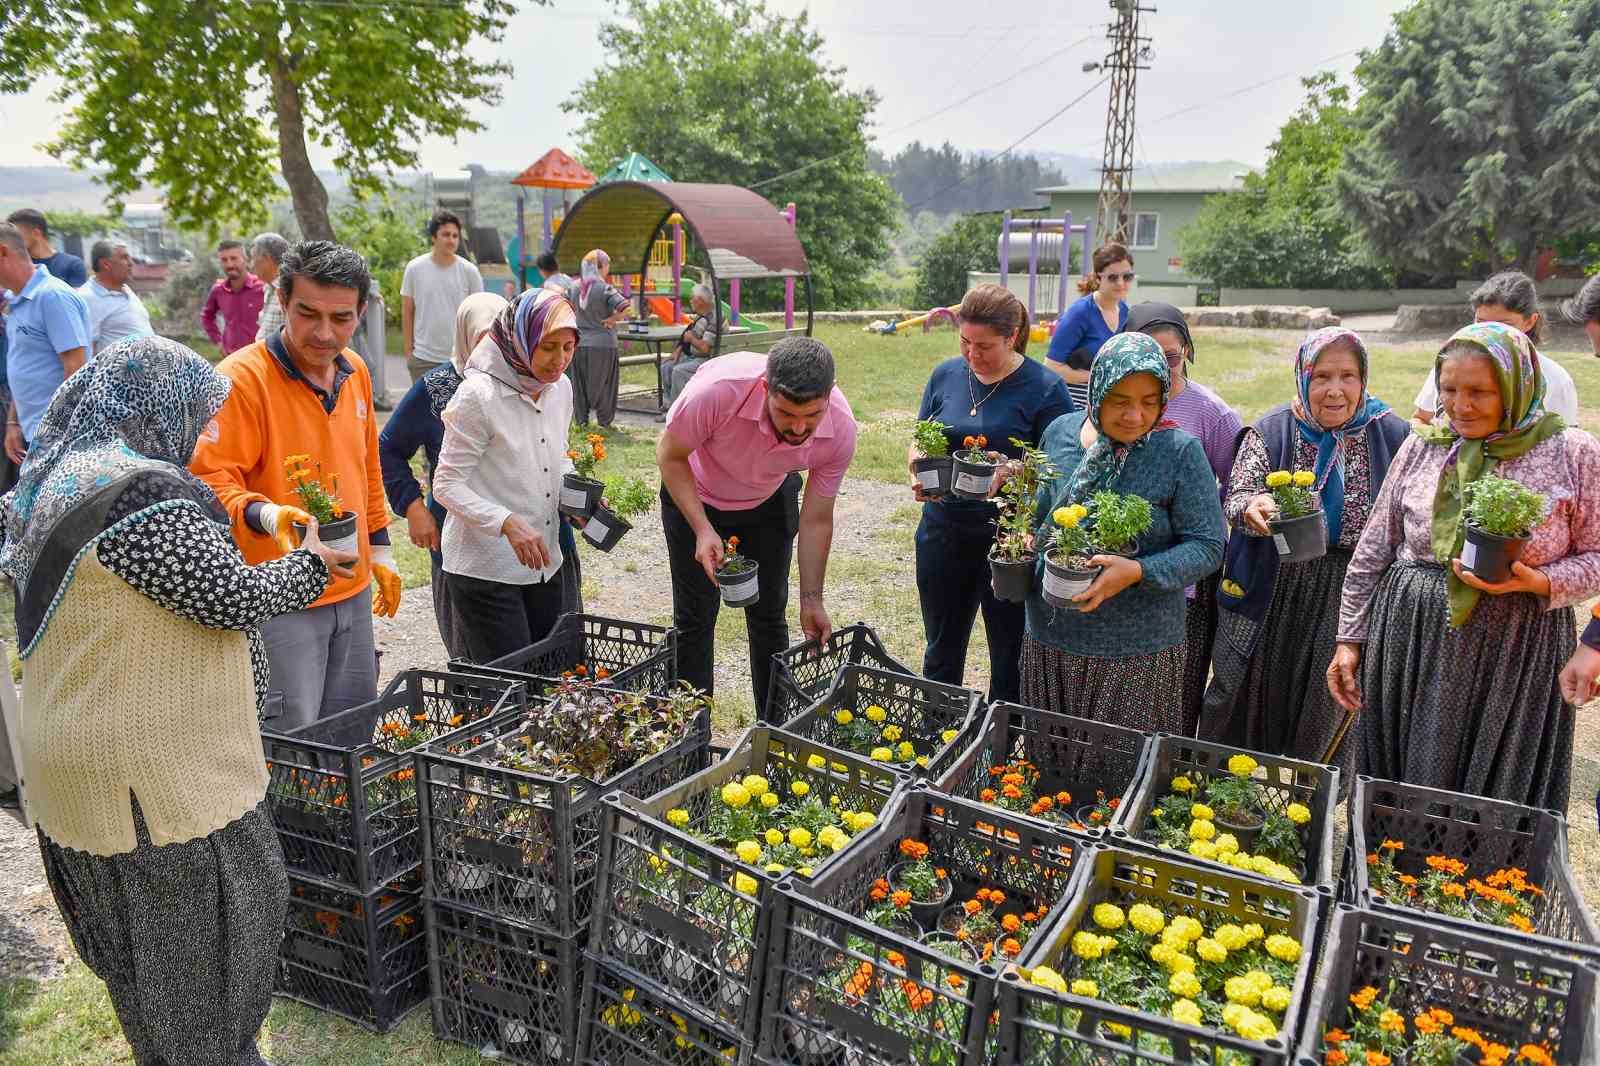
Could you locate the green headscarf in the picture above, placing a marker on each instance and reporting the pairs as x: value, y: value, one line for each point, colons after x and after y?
x: 1524, y: 425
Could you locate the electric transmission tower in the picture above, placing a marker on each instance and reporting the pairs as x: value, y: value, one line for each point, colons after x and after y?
x: 1127, y: 56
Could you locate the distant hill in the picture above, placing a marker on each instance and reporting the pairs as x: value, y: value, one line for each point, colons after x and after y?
x: 1085, y: 171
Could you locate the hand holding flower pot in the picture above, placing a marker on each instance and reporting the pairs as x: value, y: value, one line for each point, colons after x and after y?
x: 1012, y: 561
x: 338, y: 527
x: 932, y: 471
x: 580, y: 490
x: 1500, y: 516
x: 1300, y: 529
x: 1093, y: 558
x: 738, y: 577
x: 974, y: 469
x: 624, y: 498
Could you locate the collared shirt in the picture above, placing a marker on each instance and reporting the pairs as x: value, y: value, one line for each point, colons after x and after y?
x: 240, y: 310
x: 271, y: 311
x: 46, y: 318
x: 114, y: 314
x: 66, y: 266
x: 738, y: 459
x: 504, y: 453
x: 329, y: 398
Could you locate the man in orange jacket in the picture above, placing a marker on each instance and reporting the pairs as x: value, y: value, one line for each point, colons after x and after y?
x: 302, y: 401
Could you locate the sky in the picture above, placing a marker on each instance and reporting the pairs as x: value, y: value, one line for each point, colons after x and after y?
x: 1201, y: 99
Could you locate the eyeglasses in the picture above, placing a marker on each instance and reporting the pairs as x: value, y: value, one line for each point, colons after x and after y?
x: 1129, y: 276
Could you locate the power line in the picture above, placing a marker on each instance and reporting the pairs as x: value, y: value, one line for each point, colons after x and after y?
x: 925, y: 118
x: 1008, y: 149
x: 1250, y: 88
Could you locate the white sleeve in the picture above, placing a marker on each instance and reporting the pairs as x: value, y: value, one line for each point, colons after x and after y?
x: 408, y: 281
x: 467, y: 433
x: 1561, y: 393
x: 475, y: 278
x: 1428, y: 397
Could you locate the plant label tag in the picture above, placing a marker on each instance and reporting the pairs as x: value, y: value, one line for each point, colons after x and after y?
x: 972, y: 483
x: 1469, y: 555
x: 571, y: 497
x: 1064, y: 588
x: 928, y: 479
x: 1282, y: 542
x: 596, y: 531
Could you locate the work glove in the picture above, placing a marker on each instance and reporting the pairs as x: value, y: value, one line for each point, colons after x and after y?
x: 386, y: 600
x: 278, y: 519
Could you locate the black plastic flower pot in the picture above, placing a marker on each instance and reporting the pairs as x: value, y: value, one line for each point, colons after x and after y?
x: 605, y: 529
x: 1062, y: 582
x: 934, y: 474
x: 974, y: 474
x: 1488, y: 557
x: 1302, y: 539
x: 741, y: 589
x: 1012, y: 579
x: 580, y: 495
x: 340, y: 535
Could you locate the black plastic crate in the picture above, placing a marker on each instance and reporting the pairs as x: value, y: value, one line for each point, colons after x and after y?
x: 361, y: 956
x: 341, y: 791
x: 1486, y: 834
x: 520, y: 845
x: 841, y: 986
x: 1283, y: 780
x: 506, y: 990
x: 1075, y: 755
x: 923, y: 712
x: 634, y: 655
x: 1512, y: 993
x: 1037, y: 1025
x: 671, y: 906
x: 629, y: 1020
x: 801, y: 674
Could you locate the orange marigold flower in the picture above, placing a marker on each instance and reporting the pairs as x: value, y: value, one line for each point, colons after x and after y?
x: 1063, y: 798
x: 913, y: 849
x: 1442, y: 1016
x: 1335, y: 1037
x: 1010, y: 948
x: 1391, y: 1021
x: 1535, y: 1054
x: 972, y: 906
x: 1426, y: 1025
x: 962, y: 934
x: 879, y: 890
x: 940, y: 872
x: 901, y: 898
x: 1377, y: 1058
x: 1393, y: 845
x: 1454, y: 867
x: 1011, y: 792
x: 1096, y: 816
x: 1363, y: 999
x: 987, y: 795
x: 1453, y: 889
x: 988, y: 952
x: 1372, y: 858
x: 917, y: 997
x: 896, y: 959
x: 954, y: 980
x: 1519, y: 922
x: 996, y: 896
x: 1335, y: 1057
x: 1011, y: 923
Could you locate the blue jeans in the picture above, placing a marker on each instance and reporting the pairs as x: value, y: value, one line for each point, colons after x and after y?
x: 953, y: 585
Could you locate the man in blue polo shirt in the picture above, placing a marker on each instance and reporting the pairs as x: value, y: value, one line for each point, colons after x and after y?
x: 47, y: 338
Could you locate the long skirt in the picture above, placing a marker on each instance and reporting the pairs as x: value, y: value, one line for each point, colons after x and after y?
x: 185, y: 936
x: 1199, y: 630
x: 1476, y: 709
x: 1282, y: 704
x: 1140, y: 691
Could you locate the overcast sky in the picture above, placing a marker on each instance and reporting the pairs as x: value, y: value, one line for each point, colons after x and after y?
x: 922, y: 55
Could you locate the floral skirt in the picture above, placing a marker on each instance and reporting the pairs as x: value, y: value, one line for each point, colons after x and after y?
x: 1140, y: 691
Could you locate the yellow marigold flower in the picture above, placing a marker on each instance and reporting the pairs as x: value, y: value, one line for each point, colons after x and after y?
x: 799, y: 788
x: 1086, y: 945
x: 882, y: 755
x: 922, y: 761
x: 816, y: 762
x: 1045, y: 977
x: 1253, y: 932
x: 891, y: 733
x: 876, y: 714
x: 1210, y: 950
x: 1187, y: 1011
x: 1230, y: 936
x: 744, y: 883
x: 1241, y: 765
x: 1298, y: 813
x: 735, y: 795
x: 800, y: 837
x: 1200, y: 812
x: 1241, y: 991
x: 949, y: 735
x: 678, y: 817
x: 774, y: 837
x: 1183, y: 984
x: 1201, y: 830
x: 1226, y: 843
x: 843, y: 717
x: 769, y: 800
x: 906, y: 750
x: 1146, y: 919
x: 865, y: 820
x: 1108, y: 916
x: 1261, y: 864
x: 1283, y: 947
x: 756, y: 785
x: 804, y: 871
x: 1203, y: 849
x: 1085, y: 987
x: 1276, y: 998
x: 1187, y: 929
x: 1304, y: 478
x: 1161, y: 954
x: 748, y: 850
x: 1065, y: 517
x: 1181, y: 963
x: 1182, y: 784
x: 1278, y: 479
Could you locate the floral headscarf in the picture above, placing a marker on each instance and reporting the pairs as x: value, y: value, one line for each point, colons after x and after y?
x: 521, y: 328
x: 1123, y: 354
x: 1524, y: 425
x: 1330, y: 443
x: 592, y: 274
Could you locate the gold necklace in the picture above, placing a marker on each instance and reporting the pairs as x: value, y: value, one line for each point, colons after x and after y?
x: 973, y: 393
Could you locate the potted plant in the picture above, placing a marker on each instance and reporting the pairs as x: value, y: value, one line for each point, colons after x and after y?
x: 581, y: 490
x: 929, y: 886
x: 1500, y: 516
x: 1300, y: 529
x: 625, y: 498
x: 934, y: 468
x: 737, y: 577
x: 1112, y: 527
x: 974, y: 469
x: 1233, y: 799
x: 1012, y: 562
x: 337, y: 526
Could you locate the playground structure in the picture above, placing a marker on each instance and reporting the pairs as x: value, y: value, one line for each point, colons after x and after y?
x: 555, y: 171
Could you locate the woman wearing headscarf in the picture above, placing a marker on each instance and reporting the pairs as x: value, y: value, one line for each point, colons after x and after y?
x: 1276, y: 634
x: 1458, y: 678
x: 499, y: 477
x: 1204, y: 415
x: 143, y: 756
x: 596, y: 372
x: 1119, y: 657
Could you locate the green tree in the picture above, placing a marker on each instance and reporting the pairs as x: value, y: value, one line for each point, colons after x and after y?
x: 388, y: 232
x: 1479, y: 130
x: 1284, y: 228
x: 726, y: 91
x: 971, y: 244
x: 211, y: 101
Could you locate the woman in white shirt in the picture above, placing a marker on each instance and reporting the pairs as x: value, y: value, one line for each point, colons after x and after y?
x: 499, y: 477
x: 1510, y: 297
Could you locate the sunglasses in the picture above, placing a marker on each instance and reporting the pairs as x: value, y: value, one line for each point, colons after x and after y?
x: 1129, y: 276
x: 1174, y: 361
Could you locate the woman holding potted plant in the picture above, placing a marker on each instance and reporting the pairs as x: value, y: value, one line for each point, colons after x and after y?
x: 992, y: 390
x: 1460, y: 676
x: 1119, y: 656
x: 1267, y: 691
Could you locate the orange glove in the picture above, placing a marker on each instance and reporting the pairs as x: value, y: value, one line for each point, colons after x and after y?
x: 279, y: 519
x: 386, y: 601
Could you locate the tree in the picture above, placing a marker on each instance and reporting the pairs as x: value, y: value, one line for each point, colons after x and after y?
x: 1480, y: 124
x: 725, y: 91
x: 1283, y: 228
x: 971, y: 244
x: 211, y: 101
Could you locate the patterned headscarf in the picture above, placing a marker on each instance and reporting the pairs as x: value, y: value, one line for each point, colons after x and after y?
x: 1330, y: 443
x: 140, y: 405
x: 521, y: 328
x: 592, y: 274
x: 1524, y: 425
x: 1123, y: 354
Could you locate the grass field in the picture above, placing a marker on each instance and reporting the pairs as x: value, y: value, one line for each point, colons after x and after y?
x: 69, y: 1021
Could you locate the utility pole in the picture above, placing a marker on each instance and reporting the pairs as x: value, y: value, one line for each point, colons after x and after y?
x: 1124, y: 60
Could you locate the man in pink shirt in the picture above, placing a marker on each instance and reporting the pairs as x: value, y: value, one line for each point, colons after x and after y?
x: 237, y: 296
x: 736, y: 442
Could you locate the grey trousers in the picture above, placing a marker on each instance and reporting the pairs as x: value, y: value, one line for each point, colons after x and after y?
x: 595, y: 374
x: 322, y: 660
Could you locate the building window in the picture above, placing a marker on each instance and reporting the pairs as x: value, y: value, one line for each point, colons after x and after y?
x: 1146, y: 229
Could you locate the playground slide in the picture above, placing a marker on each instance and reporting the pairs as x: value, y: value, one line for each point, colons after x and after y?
x: 661, y: 307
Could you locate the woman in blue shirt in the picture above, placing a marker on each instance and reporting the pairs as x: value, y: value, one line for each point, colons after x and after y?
x: 416, y: 423
x: 1092, y: 320
x: 995, y: 391
x: 1120, y: 656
